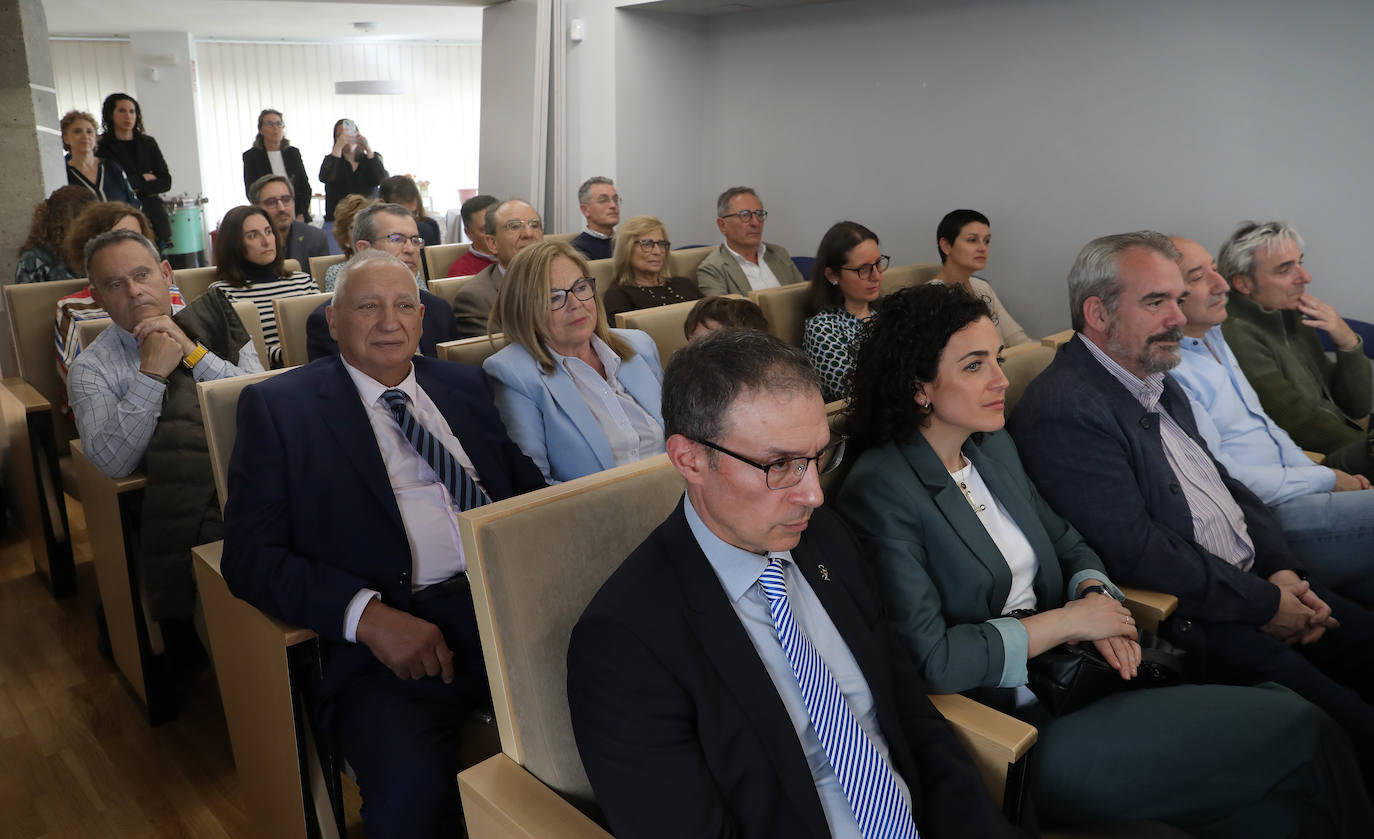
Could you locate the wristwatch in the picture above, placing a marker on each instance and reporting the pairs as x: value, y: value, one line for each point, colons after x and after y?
x: 1099, y: 589
x: 194, y: 358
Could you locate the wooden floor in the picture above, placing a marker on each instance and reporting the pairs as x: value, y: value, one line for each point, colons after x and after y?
x: 77, y: 758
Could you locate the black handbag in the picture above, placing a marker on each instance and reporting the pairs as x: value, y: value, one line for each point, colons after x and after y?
x: 1072, y: 676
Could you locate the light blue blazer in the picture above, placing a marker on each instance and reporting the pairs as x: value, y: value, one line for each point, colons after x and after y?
x: 549, y: 420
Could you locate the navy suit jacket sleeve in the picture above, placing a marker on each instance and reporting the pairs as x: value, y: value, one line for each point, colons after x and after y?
x: 318, y: 342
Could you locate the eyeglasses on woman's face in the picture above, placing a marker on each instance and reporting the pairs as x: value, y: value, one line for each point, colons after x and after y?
x: 583, y: 289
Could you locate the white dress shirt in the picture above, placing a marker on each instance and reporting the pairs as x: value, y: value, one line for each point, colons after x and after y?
x: 274, y: 158
x: 428, y: 511
x: 759, y: 275
x: 1005, y: 533
x: 632, y: 432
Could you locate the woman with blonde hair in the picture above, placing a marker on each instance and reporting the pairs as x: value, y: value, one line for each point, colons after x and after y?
x: 344, y: 214
x: 576, y: 396
x: 639, y: 270
x: 104, y: 178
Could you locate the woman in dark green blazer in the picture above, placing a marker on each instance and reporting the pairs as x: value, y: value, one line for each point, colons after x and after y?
x: 946, y: 513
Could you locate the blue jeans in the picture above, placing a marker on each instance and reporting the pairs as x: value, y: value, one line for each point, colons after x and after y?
x: 1333, y: 534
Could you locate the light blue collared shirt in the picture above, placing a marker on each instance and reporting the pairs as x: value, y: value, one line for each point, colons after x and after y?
x: 738, y: 571
x: 1235, y: 427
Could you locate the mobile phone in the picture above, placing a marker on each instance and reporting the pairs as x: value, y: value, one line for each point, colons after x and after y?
x: 350, y: 127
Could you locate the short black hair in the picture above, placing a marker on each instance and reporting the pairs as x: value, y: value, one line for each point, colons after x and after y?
x: 704, y: 378
x: 952, y: 224
x: 899, y: 347
x: 475, y: 205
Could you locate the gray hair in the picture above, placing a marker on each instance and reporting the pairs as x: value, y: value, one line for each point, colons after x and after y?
x: 255, y: 189
x: 704, y: 379
x: 1095, y: 271
x: 723, y: 202
x: 113, y: 237
x: 584, y: 192
x: 365, y: 228
x: 363, y: 259
x: 1237, y: 254
x: 489, y: 220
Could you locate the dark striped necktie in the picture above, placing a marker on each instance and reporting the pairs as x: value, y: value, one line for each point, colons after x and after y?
x: 466, y: 494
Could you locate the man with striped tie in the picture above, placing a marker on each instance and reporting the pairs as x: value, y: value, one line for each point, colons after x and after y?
x: 735, y: 676
x: 344, y: 488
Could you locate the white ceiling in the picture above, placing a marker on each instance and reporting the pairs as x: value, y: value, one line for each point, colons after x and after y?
x: 269, y: 20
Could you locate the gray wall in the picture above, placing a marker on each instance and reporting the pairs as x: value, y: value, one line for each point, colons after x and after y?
x: 1060, y: 119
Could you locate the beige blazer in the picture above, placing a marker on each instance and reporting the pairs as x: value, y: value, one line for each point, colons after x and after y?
x: 719, y: 273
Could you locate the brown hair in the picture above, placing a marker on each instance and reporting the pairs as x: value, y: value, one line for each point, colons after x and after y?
x: 398, y: 188
x: 53, y: 217
x: 522, y: 305
x: 91, y: 222
x: 725, y: 311
x: 344, y: 213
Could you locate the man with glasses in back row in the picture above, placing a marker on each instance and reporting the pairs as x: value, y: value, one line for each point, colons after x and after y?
x: 600, y: 206
x: 512, y: 226
x: 296, y: 239
x: 745, y: 262
x: 735, y: 676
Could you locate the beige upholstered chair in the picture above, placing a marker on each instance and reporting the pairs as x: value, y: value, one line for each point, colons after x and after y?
x: 565, y: 238
x: 292, y: 313
x: 292, y: 265
x: 437, y: 259
x: 265, y: 668
x: 1058, y: 339
x: 320, y: 265
x: 684, y: 263
x: 88, y: 330
x: 663, y: 323
x: 39, y: 431
x: 193, y: 281
x: 447, y: 288
x: 785, y: 309
x: 901, y: 276
x: 601, y: 270
x: 472, y: 351
x: 535, y: 562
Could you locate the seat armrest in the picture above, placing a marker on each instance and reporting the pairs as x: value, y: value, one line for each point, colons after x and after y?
x: 1316, y: 457
x: 995, y: 741
x: 1150, y: 608
x: 27, y: 395
x: 501, y: 800
x: 115, y: 486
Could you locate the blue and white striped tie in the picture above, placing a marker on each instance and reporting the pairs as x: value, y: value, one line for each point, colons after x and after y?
x: 867, y: 780
x: 465, y: 491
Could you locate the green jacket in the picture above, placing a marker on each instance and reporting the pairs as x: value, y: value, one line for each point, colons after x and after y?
x: 1316, y: 401
x: 941, y: 576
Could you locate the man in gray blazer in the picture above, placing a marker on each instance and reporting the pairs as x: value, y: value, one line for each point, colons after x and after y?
x: 745, y: 262
x: 515, y: 225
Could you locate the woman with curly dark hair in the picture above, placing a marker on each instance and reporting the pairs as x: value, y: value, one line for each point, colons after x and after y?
x: 124, y: 142
x: 981, y: 577
x: 41, y: 257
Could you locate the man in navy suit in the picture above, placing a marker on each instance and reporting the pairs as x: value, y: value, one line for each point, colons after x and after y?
x: 1110, y: 441
x: 688, y: 714
x: 337, y: 522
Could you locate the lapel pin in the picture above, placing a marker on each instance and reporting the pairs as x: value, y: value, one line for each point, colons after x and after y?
x: 825, y: 575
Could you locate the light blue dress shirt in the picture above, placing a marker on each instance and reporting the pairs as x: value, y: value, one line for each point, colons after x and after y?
x: 1236, y: 429
x: 738, y: 571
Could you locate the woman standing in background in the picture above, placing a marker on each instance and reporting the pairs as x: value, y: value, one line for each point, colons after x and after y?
x: 273, y: 154
x: 123, y: 141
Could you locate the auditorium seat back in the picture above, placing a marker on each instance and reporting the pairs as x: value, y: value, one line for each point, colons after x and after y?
x: 1021, y: 364
x: 902, y: 276
x: 292, y: 314
x: 193, y: 281
x: 565, y: 238
x: 437, y: 259
x: 663, y: 323
x: 785, y: 309
x: 320, y: 265
x: 601, y: 270
x: 474, y: 350
x: 1058, y: 339
x: 219, y: 401
x: 535, y: 561
x: 32, y: 309
x: 447, y: 287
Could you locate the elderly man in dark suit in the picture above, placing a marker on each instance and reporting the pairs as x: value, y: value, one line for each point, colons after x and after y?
x: 1110, y: 441
x: 344, y: 488
x: 736, y: 676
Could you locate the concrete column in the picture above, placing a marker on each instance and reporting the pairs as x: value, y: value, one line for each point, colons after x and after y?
x: 164, y: 64
x: 28, y: 133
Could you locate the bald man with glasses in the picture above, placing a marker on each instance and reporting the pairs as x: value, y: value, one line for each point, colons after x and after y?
x: 513, y: 226
x: 745, y: 262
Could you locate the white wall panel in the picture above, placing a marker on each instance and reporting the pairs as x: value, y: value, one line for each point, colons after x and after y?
x: 88, y: 71
x: 430, y: 132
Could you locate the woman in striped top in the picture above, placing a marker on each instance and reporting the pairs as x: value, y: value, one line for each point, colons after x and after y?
x: 249, y: 267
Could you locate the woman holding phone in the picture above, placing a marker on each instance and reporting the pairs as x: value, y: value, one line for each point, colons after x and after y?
x: 350, y: 168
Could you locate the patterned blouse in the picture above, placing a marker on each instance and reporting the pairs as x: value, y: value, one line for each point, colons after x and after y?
x: 827, y: 337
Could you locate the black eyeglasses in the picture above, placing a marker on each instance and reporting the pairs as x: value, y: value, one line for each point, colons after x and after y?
x: 652, y: 244
x: 401, y: 239
x: 583, y: 289
x: 788, y: 472
x: 866, y: 271
x: 273, y: 203
x: 743, y: 215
